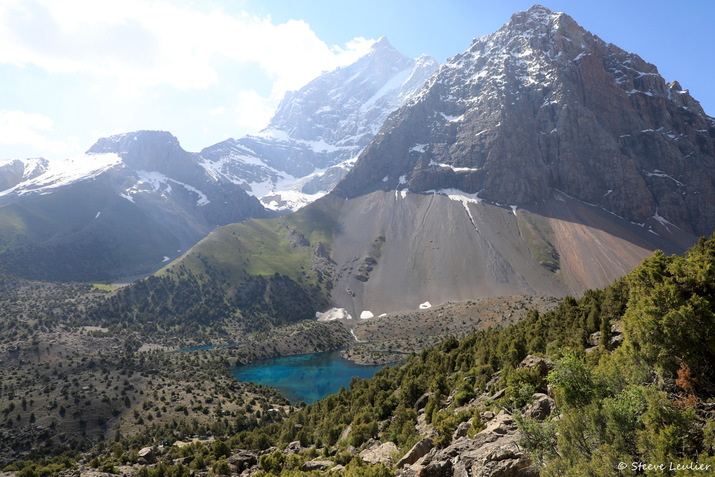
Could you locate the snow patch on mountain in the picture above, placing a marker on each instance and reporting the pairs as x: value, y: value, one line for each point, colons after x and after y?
x: 393, y: 84
x: 433, y: 163
x: 161, y: 183
x: 62, y: 173
x: 318, y: 132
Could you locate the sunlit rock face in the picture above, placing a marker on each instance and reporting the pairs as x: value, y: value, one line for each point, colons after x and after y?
x: 540, y: 106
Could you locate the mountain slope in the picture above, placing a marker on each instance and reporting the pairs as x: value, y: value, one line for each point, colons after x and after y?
x: 129, y: 204
x: 541, y: 105
x: 318, y: 131
x: 540, y: 161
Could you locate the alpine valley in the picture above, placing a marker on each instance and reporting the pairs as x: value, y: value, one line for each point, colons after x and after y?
x: 444, y: 216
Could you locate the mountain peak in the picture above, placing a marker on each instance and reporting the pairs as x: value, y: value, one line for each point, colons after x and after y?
x: 543, y: 105
x: 539, y: 12
x: 148, y: 151
x: 382, y: 43
x: 125, y: 143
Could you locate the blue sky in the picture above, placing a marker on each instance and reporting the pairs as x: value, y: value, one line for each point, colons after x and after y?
x: 77, y: 70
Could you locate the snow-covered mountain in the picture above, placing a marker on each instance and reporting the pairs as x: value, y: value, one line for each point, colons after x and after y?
x: 542, y: 105
x: 136, y: 200
x: 318, y: 131
x: 131, y: 203
x: 542, y: 160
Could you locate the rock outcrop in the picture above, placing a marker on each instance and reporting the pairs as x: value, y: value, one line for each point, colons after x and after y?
x: 493, y: 452
x: 379, y: 453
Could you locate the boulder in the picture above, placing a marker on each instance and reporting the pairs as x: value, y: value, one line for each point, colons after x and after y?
x: 462, y: 429
x: 417, y: 451
x: 422, y: 401
x: 243, y: 460
x: 498, y: 395
x: 319, y: 465
x: 293, y: 448
x: 437, y: 469
x: 503, y: 423
x: 540, y: 407
x: 616, y: 341
x: 146, y: 456
x: 543, y: 365
x: 381, y: 453
x: 502, y: 458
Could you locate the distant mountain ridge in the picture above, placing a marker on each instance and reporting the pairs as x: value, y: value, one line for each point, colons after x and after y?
x: 175, y: 197
x: 132, y: 202
x: 318, y: 131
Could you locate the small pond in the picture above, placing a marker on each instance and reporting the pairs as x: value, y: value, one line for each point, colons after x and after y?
x: 306, y: 377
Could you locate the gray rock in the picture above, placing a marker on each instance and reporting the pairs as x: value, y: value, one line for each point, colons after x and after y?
x: 543, y: 365
x: 147, y: 456
x: 498, y: 395
x: 437, y: 469
x: 616, y: 340
x: 346, y: 433
x: 381, y: 453
x: 493, y: 452
x: 418, y: 450
x: 293, y: 448
x: 540, y: 407
x: 503, y: 423
x: 243, y: 460
x: 422, y: 401
x: 319, y: 465
x: 462, y: 429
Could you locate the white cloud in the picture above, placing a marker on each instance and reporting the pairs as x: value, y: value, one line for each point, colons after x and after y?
x: 18, y: 127
x: 145, y: 63
x: 253, y: 111
x: 149, y: 43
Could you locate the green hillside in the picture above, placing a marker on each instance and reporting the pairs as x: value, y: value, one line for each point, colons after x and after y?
x: 645, y: 398
x: 243, y: 277
x: 79, y: 234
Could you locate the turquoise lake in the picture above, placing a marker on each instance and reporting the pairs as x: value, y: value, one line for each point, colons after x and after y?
x: 306, y: 377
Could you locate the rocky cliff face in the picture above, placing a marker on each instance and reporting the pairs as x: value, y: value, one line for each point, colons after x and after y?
x: 319, y: 130
x: 543, y: 105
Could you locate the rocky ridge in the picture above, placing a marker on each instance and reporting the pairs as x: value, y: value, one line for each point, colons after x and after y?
x: 318, y: 131
x: 540, y: 106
